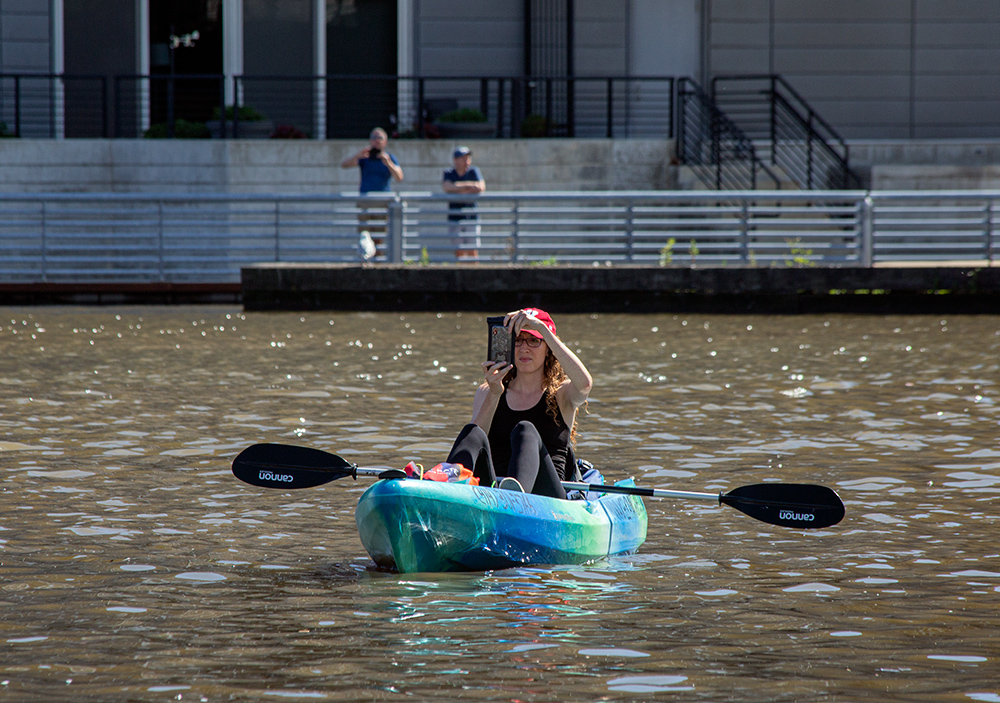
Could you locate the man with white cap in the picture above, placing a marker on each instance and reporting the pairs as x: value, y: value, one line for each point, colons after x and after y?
x: 463, y: 217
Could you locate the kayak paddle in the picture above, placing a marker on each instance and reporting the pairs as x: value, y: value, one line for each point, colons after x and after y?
x: 288, y: 466
x: 797, y: 505
x: 800, y: 505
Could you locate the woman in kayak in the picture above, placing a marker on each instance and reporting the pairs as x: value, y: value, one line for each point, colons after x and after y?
x: 524, y: 414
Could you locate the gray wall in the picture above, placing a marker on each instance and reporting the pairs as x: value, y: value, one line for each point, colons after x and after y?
x: 475, y: 38
x: 24, y: 36
x: 309, y: 167
x: 872, y: 68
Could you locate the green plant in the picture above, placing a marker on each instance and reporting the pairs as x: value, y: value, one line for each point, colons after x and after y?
x: 182, y: 130
x: 465, y: 114
x: 551, y: 261
x: 667, y: 252
x: 425, y: 257
x: 533, y: 126
x: 800, y: 255
x: 246, y: 113
x: 693, y: 249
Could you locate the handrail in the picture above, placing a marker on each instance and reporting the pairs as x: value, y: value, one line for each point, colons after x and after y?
x: 730, y: 164
x: 178, y: 237
x: 780, y: 93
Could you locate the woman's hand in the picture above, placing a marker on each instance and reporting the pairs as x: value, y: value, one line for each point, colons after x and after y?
x: 494, y: 372
x: 524, y: 320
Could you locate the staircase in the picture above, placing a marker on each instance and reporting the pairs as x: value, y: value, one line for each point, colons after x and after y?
x: 787, y: 133
x: 756, y: 132
x: 717, y: 151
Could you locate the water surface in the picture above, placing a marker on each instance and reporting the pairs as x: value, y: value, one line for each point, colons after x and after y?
x: 133, y: 566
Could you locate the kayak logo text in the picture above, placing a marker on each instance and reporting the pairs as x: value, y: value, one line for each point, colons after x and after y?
x: 801, y: 517
x: 268, y: 476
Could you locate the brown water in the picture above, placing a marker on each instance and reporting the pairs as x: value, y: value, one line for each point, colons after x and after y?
x: 133, y: 566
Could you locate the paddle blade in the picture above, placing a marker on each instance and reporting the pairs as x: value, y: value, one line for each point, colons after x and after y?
x: 798, y: 505
x: 286, y: 467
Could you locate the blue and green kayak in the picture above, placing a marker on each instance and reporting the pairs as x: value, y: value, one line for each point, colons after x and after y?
x: 425, y: 526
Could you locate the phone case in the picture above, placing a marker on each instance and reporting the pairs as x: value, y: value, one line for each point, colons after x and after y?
x: 501, y: 345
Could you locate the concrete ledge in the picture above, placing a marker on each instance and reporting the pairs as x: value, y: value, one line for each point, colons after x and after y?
x: 160, y: 293
x: 290, y: 286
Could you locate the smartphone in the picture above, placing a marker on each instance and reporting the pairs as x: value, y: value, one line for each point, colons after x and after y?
x: 501, y: 344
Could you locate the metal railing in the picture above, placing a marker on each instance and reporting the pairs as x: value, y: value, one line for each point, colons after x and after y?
x: 127, y: 106
x: 714, y: 147
x: 788, y: 132
x: 105, y: 237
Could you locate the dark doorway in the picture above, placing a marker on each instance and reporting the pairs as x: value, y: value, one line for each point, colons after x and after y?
x: 360, y: 41
x: 194, y: 98
x: 99, y: 43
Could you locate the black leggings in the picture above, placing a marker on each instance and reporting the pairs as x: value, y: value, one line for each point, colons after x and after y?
x: 530, y: 462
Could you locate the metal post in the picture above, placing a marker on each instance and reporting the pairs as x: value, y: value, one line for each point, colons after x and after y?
x: 421, y: 117
x: 988, y: 221
x: 104, y: 107
x: 17, y: 106
x: 867, y: 232
x: 222, y: 108
x: 611, y: 112
x: 237, y: 101
x: 159, y: 212
x: 500, y: 108
x: 45, y: 258
x: 809, y: 154
x: 745, y: 231
x: 548, y: 107
x: 394, y: 229
x: 630, y: 231
x: 277, y: 229
x: 571, y: 106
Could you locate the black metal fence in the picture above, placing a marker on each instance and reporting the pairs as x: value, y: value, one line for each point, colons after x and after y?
x: 130, y: 106
x: 715, y: 148
x: 797, y: 140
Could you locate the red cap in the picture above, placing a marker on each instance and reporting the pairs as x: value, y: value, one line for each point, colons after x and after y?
x: 542, y: 317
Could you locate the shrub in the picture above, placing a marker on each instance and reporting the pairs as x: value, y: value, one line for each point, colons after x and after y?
x: 287, y: 131
x: 533, y: 126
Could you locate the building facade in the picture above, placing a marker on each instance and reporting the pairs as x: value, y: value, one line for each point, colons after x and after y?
x: 891, y: 69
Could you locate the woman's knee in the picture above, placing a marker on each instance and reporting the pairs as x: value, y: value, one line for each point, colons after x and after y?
x: 524, y: 430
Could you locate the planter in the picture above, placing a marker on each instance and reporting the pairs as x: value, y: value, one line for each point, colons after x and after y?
x: 248, y: 130
x: 466, y: 130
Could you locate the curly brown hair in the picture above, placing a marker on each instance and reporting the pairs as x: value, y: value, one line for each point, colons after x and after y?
x: 552, y: 379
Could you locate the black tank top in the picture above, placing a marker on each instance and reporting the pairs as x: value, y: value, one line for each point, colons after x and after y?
x: 554, y: 433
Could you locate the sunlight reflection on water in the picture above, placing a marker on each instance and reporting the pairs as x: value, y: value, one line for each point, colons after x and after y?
x: 134, y: 565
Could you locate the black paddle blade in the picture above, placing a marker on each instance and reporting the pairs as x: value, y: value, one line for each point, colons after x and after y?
x: 799, y: 505
x: 285, y: 466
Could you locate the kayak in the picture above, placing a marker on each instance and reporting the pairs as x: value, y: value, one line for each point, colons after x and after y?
x: 424, y: 526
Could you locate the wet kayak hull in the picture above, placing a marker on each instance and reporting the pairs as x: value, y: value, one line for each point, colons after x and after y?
x: 427, y: 526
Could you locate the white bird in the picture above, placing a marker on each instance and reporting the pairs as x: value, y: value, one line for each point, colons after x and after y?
x: 366, y: 246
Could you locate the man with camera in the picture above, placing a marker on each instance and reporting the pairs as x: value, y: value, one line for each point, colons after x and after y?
x: 378, y: 169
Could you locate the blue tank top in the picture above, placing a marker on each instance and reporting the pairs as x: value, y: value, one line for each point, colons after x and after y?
x: 555, y: 434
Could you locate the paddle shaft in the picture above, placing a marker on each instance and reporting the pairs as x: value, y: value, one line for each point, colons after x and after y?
x: 637, y: 491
